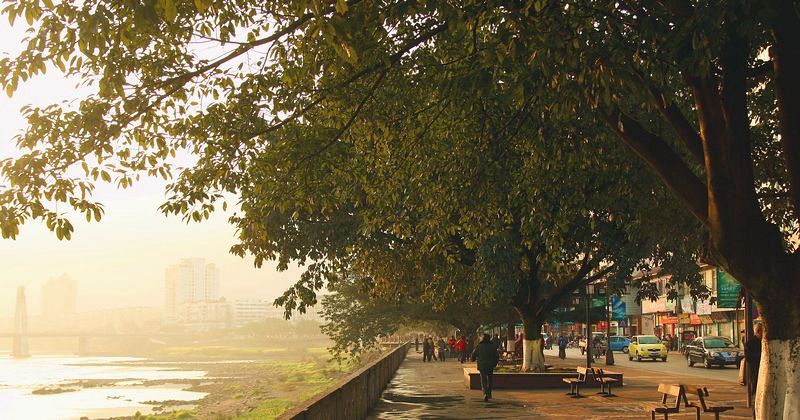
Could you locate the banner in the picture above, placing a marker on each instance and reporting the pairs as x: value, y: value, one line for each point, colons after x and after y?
x: 618, y: 309
x: 727, y: 290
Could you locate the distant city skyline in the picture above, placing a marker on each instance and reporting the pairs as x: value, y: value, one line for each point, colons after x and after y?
x: 120, y: 261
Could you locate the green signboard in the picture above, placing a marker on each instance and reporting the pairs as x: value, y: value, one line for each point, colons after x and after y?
x: 727, y: 290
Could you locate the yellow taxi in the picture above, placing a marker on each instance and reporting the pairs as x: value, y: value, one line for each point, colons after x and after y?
x: 646, y: 347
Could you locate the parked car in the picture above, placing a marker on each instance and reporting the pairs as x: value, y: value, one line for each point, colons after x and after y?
x: 647, y: 347
x: 619, y: 343
x: 713, y: 351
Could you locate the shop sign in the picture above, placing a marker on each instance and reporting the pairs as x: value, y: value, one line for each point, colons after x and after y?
x: 727, y: 290
x: 618, y: 309
x: 703, y: 307
x: 720, y: 317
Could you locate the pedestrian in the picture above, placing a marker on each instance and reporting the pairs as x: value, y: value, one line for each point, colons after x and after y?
x: 486, y: 355
x: 596, y: 345
x: 461, y: 348
x: 752, y: 354
x: 426, y: 350
x: 518, y: 347
x: 673, y: 342
x: 451, y: 345
x: 562, y: 347
x: 432, y: 349
x: 442, y: 348
x: 416, y: 344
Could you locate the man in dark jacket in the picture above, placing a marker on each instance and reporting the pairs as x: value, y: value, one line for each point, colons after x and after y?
x: 486, y: 355
x: 752, y: 355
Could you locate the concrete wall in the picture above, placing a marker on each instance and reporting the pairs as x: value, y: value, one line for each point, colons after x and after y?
x: 355, y: 396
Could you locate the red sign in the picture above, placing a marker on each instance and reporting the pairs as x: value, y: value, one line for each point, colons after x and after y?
x: 667, y: 320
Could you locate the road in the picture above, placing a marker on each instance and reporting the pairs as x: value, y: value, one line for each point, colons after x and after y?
x: 675, y: 363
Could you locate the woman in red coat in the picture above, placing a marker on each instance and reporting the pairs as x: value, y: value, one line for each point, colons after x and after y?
x: 461, y: 348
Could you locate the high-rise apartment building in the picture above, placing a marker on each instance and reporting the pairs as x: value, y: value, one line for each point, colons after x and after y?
x: 59, y: 301
x: 191, y: 280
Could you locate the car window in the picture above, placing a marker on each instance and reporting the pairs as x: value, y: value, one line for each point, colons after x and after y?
x: 648, y: 340
x: 633, y: 340
x: 718, y: 343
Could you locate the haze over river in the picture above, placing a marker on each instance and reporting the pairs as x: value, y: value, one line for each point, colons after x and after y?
x: 120, y: 391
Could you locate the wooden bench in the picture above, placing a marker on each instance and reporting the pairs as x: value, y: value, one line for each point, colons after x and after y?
x: 605, y: 383
x: 575, y: 383
x: 667, y: 390
x: 702, y: 404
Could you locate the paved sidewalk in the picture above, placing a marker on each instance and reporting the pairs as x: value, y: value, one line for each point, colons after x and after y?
x: 431, y: 390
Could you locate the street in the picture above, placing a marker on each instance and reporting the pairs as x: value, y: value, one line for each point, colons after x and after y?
x: 675, y: 364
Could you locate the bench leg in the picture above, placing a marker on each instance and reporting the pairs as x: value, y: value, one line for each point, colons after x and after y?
x: 716, y: 416
x: 571, y: 389
x: 652, y: 415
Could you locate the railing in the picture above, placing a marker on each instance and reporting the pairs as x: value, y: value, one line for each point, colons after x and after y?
x: 355, y: 396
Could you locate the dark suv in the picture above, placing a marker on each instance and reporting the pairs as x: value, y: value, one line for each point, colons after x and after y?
x: 713, y: 351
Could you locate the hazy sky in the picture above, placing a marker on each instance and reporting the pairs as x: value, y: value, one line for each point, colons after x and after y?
x: 121, y: 260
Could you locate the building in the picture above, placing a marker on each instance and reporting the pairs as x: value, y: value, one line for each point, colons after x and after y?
x: 247, y: 311
x: 59, y: 302
x: 205, y: 315
x: 191, y: 280
x: 693, y: 317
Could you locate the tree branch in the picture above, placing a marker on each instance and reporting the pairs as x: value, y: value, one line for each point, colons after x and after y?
x: 786, y: 67
x: 663, y: 160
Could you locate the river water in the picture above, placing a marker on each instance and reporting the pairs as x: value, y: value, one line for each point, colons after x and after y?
x: 125, y: 396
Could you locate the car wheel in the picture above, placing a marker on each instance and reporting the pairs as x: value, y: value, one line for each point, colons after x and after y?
x: 638, y: 356
x: 625, y: 349
x: 630, y: 357
x: 663, y: 359
x: 708, y: 364
x: 689, y: 361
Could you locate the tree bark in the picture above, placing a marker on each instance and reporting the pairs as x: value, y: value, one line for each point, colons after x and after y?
x: 778, y: 388
x: 532, y: 348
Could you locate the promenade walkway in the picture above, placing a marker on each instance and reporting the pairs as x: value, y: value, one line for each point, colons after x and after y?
x: 436, y: 390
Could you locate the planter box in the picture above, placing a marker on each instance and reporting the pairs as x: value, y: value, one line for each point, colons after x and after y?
x: 531, y: 380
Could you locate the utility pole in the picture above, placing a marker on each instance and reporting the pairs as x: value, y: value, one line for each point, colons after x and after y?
x: 609, y: 353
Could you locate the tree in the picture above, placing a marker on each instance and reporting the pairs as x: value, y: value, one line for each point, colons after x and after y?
x: 345, y: 145
x: 355, y: 318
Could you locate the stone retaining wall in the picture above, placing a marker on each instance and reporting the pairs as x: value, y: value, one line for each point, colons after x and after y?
x: 355, y: 396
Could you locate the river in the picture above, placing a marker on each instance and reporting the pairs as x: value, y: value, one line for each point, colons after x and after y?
x: 120, y: 392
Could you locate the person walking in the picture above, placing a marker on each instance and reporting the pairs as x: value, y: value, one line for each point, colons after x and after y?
x: 487, y: 357
x: 416, y: 344
x: 426, y: 354
x: 442, y: 349
x: 461, y: 348
x: 562, y: 347
x: 451, y: 346
x: 431, y: 349
x: 752, y: 355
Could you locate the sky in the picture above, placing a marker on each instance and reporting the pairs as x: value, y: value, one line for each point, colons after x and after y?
x: 120, y: 261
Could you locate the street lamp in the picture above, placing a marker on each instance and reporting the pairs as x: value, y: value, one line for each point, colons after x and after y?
x: 609, y: 353
x: 589, y: 343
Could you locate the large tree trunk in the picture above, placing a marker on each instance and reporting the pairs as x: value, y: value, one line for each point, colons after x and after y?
x: 532, y: 346
x: 778, y: 391
x: 778, y: 387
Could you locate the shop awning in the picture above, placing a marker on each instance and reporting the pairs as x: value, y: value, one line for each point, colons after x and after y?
x: 706, y: 319
x: 667, y: 320
x: 690, y: 319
